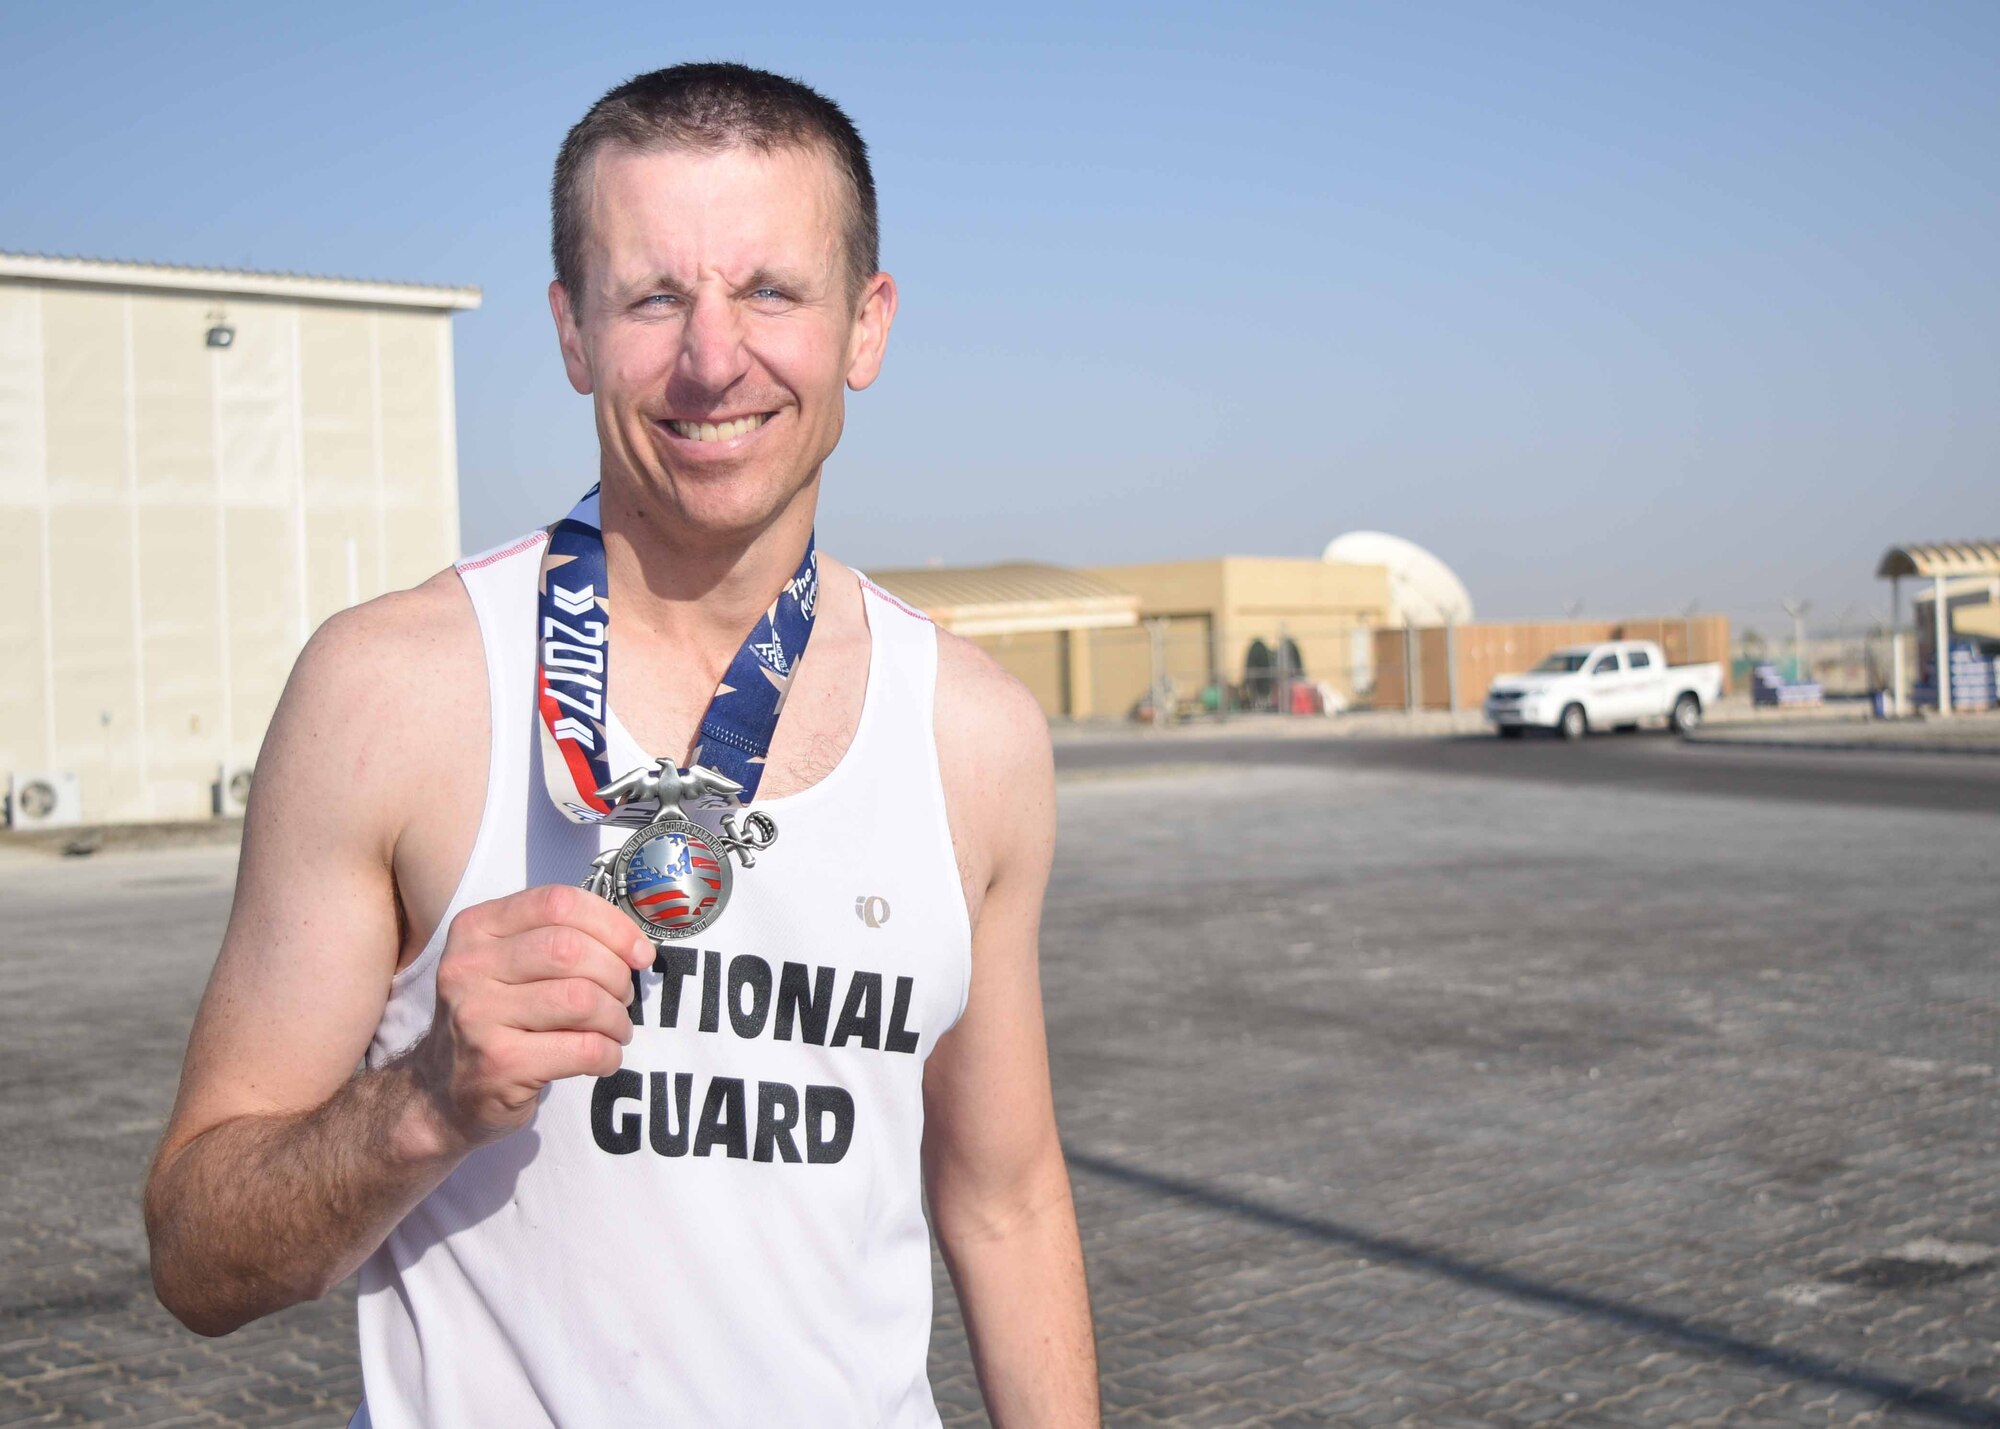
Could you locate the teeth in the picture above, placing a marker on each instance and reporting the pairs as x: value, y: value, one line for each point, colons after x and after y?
x: 717, y: 431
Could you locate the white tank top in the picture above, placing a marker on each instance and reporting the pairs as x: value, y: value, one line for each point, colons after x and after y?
x: 730, y: 1230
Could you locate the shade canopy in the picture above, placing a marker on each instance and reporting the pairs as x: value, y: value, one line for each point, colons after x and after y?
x: 1942, y: 558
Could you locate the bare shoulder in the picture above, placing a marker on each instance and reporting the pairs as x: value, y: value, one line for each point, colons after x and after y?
x: 985, y: 713
x: 997, y: 765
x: 369, y: 675
x: 428, y: 621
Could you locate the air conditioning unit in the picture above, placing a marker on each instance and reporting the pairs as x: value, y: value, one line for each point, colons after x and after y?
x: 40, y: 799
x: 232, y: 790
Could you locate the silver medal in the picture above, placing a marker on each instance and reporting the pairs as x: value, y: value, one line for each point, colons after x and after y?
x: 672, y: 876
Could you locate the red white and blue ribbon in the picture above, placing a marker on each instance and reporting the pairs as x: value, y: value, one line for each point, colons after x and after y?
x: 573, y: 667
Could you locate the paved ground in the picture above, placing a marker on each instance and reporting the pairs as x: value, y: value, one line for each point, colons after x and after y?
x: 1965, y: 732
x: 1657, y: 1087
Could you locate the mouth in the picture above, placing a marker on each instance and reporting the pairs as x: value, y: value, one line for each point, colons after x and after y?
x: 713, y: 431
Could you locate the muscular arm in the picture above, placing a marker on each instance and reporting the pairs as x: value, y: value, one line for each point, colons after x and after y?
x: 999, y: 1190
x: 281, y: 1169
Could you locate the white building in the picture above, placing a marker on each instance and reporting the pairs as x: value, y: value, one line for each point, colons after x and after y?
x: 196, y: 467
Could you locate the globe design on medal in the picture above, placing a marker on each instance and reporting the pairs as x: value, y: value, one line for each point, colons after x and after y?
x: 674, y: 881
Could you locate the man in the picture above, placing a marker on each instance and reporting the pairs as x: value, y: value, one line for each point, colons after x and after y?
x: 592, y: 1177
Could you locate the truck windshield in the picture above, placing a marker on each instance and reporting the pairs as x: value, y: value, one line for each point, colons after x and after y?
x: 1563, y: 662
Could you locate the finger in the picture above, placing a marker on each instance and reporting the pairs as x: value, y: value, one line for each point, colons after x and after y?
x: 565, y: 1005
x: 545, y: 954
x: 537, y: 1058
x: 558, y: 905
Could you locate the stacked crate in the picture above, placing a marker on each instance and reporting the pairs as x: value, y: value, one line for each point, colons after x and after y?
x: 1769, y: 687
x: 1975, y: 681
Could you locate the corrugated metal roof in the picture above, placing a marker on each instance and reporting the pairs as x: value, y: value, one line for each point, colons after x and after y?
x: 1008, y: 584
x: 1016, y: 596
x: 120, y: 273
x: 1942, y: 558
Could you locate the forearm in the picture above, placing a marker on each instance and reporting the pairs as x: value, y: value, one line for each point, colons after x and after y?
x: 1020, y: 1284
x: 262, y: 1212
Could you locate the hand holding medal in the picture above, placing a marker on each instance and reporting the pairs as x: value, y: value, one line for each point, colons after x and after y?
x: 672, y: 875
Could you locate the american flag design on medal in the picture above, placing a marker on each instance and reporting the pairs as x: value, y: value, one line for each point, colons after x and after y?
x: 672, y: 878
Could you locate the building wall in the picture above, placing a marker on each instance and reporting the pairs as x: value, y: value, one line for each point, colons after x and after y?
x: 1971, y: 606
x: 1216, y: 609
x: 176, y: 519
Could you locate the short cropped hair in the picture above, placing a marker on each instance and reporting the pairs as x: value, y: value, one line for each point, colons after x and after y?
x: 704, y: 109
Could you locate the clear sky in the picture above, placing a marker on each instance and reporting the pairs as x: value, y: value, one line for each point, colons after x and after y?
x: 1631, y: 304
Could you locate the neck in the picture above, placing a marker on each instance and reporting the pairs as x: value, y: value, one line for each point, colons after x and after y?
x: 693, y: 589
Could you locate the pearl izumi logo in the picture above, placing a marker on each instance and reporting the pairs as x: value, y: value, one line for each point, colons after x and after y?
x: 872, y: 909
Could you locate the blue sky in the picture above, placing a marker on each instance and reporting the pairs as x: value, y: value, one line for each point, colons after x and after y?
x: 1633, y: 304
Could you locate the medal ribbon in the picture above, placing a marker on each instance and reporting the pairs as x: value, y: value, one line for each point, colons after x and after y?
x: 573, y: 668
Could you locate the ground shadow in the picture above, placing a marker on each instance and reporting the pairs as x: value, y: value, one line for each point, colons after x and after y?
x: 1772, y: 1359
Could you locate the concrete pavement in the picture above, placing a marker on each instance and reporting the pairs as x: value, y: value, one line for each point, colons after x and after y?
x: 1401, y: 1085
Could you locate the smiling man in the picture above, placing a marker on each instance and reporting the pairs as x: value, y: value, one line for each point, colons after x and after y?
x: 655, y: 1150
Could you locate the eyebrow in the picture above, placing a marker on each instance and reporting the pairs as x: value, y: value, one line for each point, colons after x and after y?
x: 792, y: 282
x: 650, y: 283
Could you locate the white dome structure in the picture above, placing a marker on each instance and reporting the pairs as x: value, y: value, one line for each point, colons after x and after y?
x: 1422, y: 589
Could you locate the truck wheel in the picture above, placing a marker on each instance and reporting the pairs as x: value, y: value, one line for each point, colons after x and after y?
x: 1510, y: 731
x: 1686, y: 718
x: 1575, y: 723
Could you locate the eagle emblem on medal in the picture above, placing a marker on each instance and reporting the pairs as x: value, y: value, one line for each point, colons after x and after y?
x: 672, y: 875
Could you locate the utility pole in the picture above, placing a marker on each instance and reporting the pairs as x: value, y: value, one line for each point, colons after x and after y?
x: 1941, y: 642
x: 1156, y: 631
x: 1281, y: 695
x: 1797, y: 610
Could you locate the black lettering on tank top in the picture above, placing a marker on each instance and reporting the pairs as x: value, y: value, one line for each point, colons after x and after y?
x: 777, y: 1115
x: 722, y: 1118
x: 669, y: 1136
x: 747, y: 970
x: 811, y: 1008
x: 861, y: 1014
x: 622, y: 1137
x: 821, y: 1102
x: 675, y: 965
x: 900, y: 1040
x: 711, y: 990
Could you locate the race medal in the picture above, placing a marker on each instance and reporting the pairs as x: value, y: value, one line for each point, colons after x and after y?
x: 673, y: 875
x: 671, y: 879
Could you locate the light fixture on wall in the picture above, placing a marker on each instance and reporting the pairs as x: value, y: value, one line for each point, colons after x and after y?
x: 221, y: 335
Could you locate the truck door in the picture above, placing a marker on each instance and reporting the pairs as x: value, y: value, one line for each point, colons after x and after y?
x: 1645, y: 685
x: 1604, y: 697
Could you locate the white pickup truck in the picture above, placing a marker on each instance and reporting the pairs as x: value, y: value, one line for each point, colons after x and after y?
x: 1615, y: 685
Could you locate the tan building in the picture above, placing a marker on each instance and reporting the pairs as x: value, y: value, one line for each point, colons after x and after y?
x: 1062, y: 633
x: 197, y: 467
x: 1239, y: 621
x: 1086, y: 642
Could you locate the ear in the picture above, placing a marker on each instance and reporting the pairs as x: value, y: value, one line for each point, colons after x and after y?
x: 576, y: 359
x: 869, y: 340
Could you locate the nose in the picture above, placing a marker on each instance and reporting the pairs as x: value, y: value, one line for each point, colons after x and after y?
x: 712, y: 353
